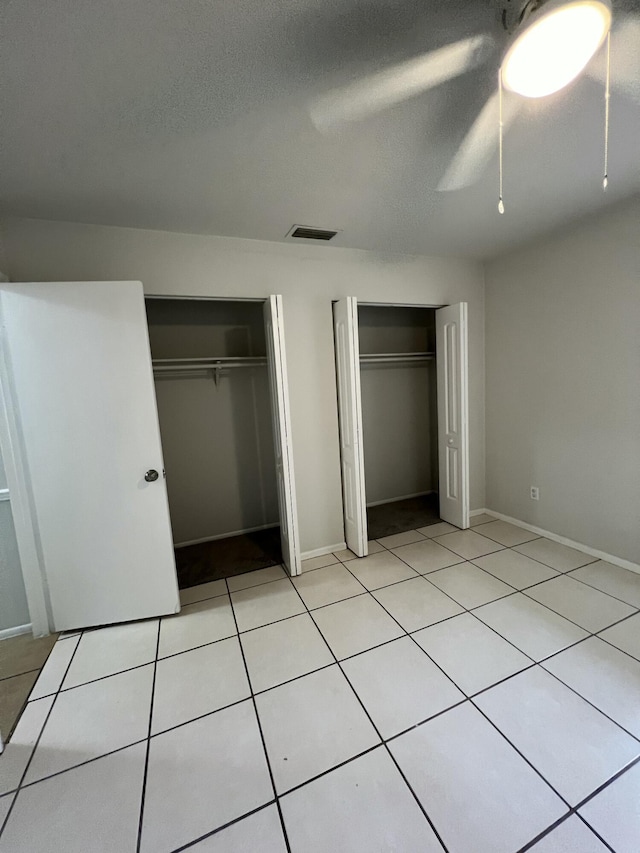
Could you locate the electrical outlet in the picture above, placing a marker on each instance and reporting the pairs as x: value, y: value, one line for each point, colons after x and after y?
x: 534, y: 493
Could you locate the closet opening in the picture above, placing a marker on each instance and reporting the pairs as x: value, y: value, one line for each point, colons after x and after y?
x: 212, y: 368
x: 403, y: 404
x: 399, y: 417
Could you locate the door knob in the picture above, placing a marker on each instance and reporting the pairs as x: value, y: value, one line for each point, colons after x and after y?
x: 151, y: 476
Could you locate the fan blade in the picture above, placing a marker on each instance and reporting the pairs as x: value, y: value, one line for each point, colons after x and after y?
x: 625, y: 60
x: 398, y: 83
x: 480, y: 143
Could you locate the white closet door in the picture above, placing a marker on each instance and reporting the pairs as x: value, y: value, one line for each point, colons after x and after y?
x: 82, y: 427
x: 453, y: 413
x: 345, y: 320
x: 274, y: 327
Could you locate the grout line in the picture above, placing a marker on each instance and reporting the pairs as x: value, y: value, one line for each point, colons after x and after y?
x: 304, y: 572
x: 264, y: 745
x: 148, y: 739
x: 595, y: 832
x: 384, y: 742
x: 223, y: 827
x: 206, y: 598
x: 100, y: 678
x: 37, y: 742
x: 229, y: 592
x: 521, y: 754
x: 18, y: 674
x: 375, y: 728
x: 597, y: 589
x: 38, y: 670
x: 574, y: 810
x: 545, y: 832
x: 288, y: 681
x: 480, y: 710
x: 428, y: 719
x: 544, y: 660
x: 82, y: 763
x: 331, y: 603
x: 589, y: 702
x: 578, y: 625
x: 502, y: 680
x: 535, y: 663
x: 606, y: 784
x: 495, y: 631
x: 613, y: 645
x: 364, y: 651
x: 551, y: 580
x: 560, y: 571
x: 329, y: 770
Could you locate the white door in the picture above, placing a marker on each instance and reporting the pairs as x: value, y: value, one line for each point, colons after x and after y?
x: 453, y: 413
x: 276, y: 357
x: 84, y: 431
x: 345, y: 320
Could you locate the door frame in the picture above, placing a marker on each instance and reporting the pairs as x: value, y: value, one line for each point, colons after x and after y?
x: 260, y: 300
x: 20, y: 499
x: 435, y: 307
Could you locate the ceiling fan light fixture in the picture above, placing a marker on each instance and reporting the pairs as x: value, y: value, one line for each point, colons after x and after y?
x: 555, y: 45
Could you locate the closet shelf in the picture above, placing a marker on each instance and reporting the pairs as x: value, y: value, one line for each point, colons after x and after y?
x: 162, y: 365
x: 215, y: 366
x: 396, y: 357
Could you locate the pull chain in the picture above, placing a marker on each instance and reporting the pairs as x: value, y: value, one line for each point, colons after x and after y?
x: 500, y: 133
x: 605, y: 181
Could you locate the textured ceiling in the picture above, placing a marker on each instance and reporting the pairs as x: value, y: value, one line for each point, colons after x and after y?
x: 193, y: 116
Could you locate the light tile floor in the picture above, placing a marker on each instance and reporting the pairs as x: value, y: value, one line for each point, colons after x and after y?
x: 454, y: 691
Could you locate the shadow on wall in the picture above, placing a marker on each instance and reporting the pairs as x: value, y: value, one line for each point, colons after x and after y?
x: 253, y: 430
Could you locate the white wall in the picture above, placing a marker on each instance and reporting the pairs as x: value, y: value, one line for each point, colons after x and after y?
x: 309, y: 277
x: 563, y: 382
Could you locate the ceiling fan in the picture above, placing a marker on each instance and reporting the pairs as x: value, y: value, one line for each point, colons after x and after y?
x: 549, y: 44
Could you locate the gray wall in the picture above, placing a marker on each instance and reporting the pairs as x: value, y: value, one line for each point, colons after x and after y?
x: 399, y: 428
x: 13, y: 600
x: 218, y: 453
x: 563, y: 383
x: 309, y: 277
x: 399, y: 406
x: 217, y: 439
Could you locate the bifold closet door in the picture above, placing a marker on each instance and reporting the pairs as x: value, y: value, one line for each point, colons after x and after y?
x: 345, y: 321
x: 453, y: 413
x: 279, y: 385
x: 80, y: 426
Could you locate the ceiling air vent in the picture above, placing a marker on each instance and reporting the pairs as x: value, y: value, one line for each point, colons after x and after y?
x: 305, y: 232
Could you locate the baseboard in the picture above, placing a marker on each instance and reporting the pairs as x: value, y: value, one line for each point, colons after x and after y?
x: 562, y: 540
x: 224, y: 535
x: 320, y: 552
x: 402, y: 498
x: 482, y: 511
x: 5, y: 633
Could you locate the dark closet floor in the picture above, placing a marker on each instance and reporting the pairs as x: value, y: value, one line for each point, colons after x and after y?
x: 398, y: 516
x: 224, y: 558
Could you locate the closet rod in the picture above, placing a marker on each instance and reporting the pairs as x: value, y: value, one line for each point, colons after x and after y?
x: 164, y: 365
x: 397, y: 358
x: 184, y: 368
x: 210, y: 359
